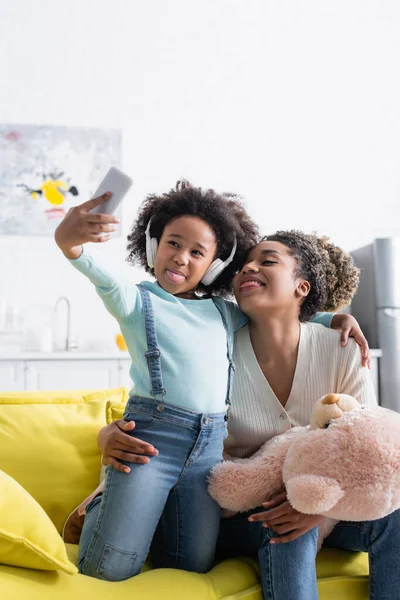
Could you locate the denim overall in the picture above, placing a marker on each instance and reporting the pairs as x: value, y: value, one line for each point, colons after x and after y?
x: 169, y: 492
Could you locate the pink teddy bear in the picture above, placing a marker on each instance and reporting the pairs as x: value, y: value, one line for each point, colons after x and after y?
x: 345, y: 466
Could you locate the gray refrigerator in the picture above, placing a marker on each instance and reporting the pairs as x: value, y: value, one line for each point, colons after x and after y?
x: 376, y: 306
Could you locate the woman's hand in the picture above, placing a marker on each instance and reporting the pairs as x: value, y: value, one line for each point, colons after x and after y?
x: 282, y: 518
x: 80, y: 226
x: 348, y: 325
x: 116, y: 445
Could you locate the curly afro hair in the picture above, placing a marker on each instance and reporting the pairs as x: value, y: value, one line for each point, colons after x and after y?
x: 330, y: 271
x: 342, y: 276
x: 307, y: 252
x: 224, y: 213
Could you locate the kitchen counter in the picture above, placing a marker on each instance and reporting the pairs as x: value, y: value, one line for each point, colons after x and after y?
x: 79, y: 369
x: 88, y: 355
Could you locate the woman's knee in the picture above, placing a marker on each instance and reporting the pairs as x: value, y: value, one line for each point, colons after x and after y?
x: 201, y: 563
x: 389, y: 524
x: 309, y: 538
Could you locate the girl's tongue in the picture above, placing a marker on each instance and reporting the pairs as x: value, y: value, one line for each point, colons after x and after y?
x: 175, y: 277
x: 250, y: 284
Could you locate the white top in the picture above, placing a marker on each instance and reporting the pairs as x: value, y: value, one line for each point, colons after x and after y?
x: 323, y: 366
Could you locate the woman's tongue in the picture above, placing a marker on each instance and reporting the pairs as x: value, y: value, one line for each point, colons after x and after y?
x: 175, y: 277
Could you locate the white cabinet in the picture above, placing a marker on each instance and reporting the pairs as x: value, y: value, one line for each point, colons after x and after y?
x: 71, y: 374
x: 64, y: 372
x: 124, y: 378
x: 11, y: 376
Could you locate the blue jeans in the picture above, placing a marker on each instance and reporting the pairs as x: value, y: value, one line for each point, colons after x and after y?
x: 172, y: 489
x: 288, y: 570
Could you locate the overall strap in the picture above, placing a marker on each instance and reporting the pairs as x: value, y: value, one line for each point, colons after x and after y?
x: 221, y: 306
x: 153, y: 352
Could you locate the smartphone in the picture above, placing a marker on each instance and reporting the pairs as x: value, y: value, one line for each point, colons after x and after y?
x: 116, y: 182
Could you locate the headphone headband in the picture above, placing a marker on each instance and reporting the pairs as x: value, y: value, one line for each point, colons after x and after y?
x: 232, y: 254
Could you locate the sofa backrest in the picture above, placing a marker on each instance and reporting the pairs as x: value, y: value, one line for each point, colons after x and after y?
x: 48, y: 443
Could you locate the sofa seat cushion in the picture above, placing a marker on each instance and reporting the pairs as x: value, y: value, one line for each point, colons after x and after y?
x: 234, y: 579
x: 48, y: 443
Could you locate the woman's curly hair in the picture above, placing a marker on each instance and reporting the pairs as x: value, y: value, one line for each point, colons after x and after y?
x: 342, y: 276
x: 330, y: 271
x: 224, y: 213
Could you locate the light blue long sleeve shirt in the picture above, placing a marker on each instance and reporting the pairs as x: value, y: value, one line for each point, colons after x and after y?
x: 191, y: 337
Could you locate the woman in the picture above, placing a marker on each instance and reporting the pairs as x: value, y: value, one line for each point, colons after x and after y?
x: 282, y: 368
x: 283, y: 364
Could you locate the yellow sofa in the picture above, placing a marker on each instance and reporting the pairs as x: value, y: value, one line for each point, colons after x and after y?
x: 49, y: 455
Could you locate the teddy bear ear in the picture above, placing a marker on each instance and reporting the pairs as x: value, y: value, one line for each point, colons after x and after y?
x: 330, y: 399
x: 313, y: 494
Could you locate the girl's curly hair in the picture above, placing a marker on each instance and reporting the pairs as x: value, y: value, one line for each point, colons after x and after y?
x: 224, y: 213
x: 330, y: 271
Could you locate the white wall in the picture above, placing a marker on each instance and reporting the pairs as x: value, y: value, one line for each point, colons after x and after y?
x: 293, y: 104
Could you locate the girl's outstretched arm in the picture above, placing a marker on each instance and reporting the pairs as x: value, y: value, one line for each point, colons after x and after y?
x: 79, y: 227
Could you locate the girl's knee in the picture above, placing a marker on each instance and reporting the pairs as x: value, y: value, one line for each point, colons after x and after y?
x: 114, y: 565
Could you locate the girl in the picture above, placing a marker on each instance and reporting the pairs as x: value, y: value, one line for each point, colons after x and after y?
x: 180, y: 341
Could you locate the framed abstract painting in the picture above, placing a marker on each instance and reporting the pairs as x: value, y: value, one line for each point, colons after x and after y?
x: 44, y: 170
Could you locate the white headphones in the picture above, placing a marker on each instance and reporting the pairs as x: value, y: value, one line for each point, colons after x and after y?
x: 151, y: 247
x: 213, y: 271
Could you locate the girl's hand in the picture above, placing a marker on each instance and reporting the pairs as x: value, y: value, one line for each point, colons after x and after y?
x: 79, y: 226
x: 348, y: 325
x: 116, y: 445
x: 282, y: 518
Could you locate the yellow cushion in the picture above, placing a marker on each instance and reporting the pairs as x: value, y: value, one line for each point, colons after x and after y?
x: 27, y: 536
x: 114, y: 411
x: 48, y: 443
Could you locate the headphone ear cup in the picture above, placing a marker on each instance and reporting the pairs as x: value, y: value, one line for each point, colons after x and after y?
x: 151, y: 251
x: 217, y: 266
x: 154, y: 247
x: 213, y: 271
